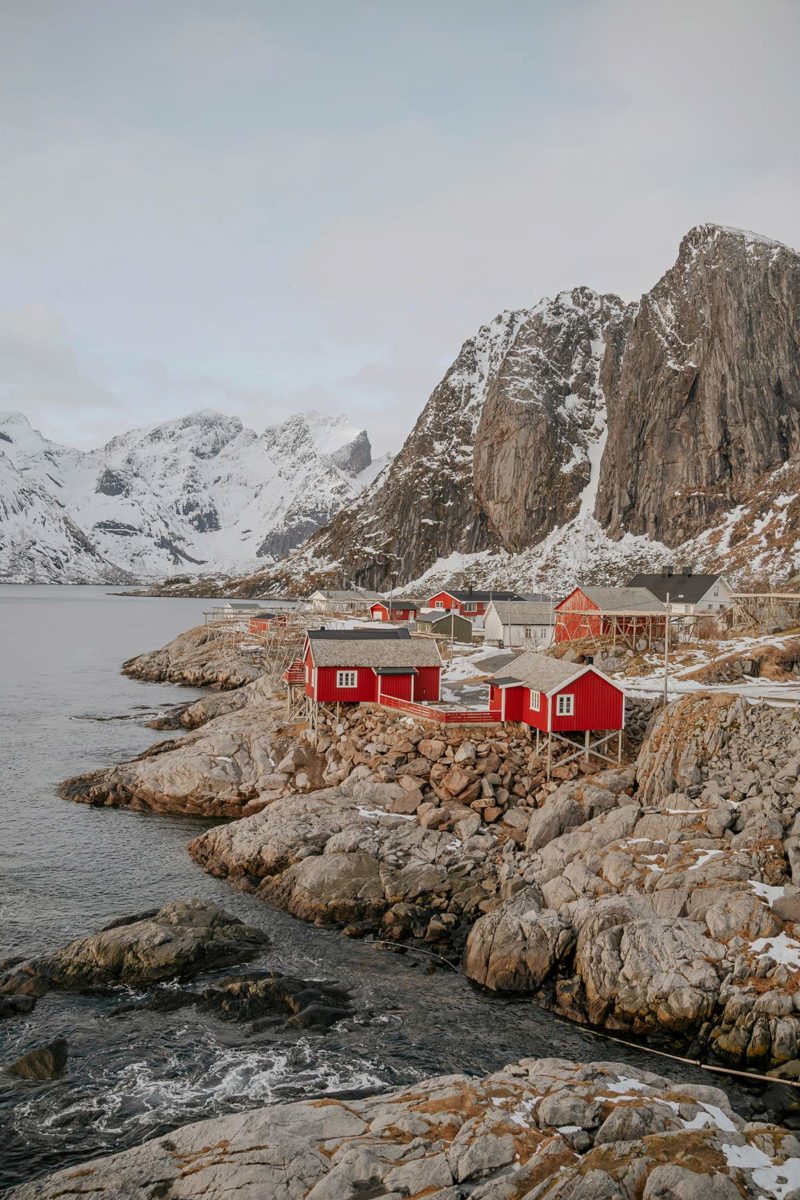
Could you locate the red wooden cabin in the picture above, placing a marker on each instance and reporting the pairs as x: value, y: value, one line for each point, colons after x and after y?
x: 557, y: 697
x: 602, y: 611
x: 264, y: 622
x: 362, y: 665
x: 469, y: 602
x: 400, y: 609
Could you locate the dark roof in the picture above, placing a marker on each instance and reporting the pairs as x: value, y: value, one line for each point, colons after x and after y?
x: 396, y: 671
x: 263, y: 616
x: 683, y: 587
x: 471, y: 594
x: 377, y: 653
x: 358, y: 635
x: 397, y: 602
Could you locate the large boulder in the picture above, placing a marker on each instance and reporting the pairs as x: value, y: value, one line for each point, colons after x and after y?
x: 177, y: 941
x: 648, y: 974
x: 516, y: 947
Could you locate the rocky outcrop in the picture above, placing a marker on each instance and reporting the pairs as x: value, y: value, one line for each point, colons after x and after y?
x: 177, y: 941
x: 226, y: 768
x: 672, y: 913
x: 342, y: 856
x: 708, y: 395
x: 263, y: 999
x: 544, y: 1129
x: 200, y: 657
x: 45, y: 1062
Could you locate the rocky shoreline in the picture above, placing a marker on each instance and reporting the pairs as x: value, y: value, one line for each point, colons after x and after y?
x: 659, y: 901
x: 542, y: 1129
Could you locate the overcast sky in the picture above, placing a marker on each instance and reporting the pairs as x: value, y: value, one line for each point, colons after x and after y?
x: 264, y: 206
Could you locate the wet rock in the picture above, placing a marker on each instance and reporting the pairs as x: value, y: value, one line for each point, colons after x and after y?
x: 45, y: 1062
x: 182, y: 939
x: 15, y: 1005
x: 544, y: 1129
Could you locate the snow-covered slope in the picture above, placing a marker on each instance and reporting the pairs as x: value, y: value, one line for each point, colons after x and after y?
x: 201, y: 493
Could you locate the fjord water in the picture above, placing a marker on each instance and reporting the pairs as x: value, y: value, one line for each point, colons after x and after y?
x: 66, y: 870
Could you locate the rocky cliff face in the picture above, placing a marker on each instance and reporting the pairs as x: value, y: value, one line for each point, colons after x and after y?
x: 507, y: 445
x: 584, y: 434
x: 708, y: 394
x: 540, y: 437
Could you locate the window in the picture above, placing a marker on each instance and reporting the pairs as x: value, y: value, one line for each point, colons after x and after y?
x: 536, y: 700
x: 346, y: 679
x: 470, y: 606
x: 438, y: 604
x: 565, y: 706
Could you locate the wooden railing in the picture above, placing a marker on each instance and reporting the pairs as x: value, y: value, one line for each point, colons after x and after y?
x: 295, y: 674
x: 443, y: 716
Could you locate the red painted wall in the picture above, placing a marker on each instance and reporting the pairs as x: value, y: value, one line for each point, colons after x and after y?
x: 426, y: 684
x: 535, y: 717
x: 569, y: 624
x: 366, y: 690
x: 598, y: 705
x: 401, y: 686
x: 382, y: 612
x: 258, y: 625
x: 379, y: 612
x: 515, y: 703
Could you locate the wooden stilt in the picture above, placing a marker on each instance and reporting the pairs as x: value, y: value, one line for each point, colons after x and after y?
x: 586, y: 746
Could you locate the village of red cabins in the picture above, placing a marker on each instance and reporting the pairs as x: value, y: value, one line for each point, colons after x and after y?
x: 390, y: 668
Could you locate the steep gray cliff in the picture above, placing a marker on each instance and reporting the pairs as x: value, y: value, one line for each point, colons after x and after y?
x: 708, y: 394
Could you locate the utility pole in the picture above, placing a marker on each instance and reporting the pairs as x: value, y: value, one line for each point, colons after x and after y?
x: 666, y: 655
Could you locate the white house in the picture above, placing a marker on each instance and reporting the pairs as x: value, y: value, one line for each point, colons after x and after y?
x: 519, y: 624
x: 688, y: 592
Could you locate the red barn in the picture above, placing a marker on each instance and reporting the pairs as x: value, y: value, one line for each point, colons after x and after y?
x: 400, y: 609
x: 361, y: 665
x: 557, y: 697
x: 606, y: 612
x: 468, y: 602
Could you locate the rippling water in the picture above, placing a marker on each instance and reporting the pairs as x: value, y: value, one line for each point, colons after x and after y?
x: 65, y: 870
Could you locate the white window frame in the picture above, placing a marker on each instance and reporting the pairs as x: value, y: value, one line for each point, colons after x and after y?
x: 347, y: 680
x: 438, y: 604
x: 536, y: 700
x: 565, y: 704
x: 469, y: 606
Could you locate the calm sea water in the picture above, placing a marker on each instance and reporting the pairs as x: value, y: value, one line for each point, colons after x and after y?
x: 66, y: 869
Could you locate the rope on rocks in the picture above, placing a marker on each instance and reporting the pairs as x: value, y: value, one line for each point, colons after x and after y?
x: 419, y: 950
x: 691, y: 1062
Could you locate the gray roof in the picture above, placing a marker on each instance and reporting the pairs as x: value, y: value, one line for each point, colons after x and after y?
x: 380, y: 633
x: 435, y: 616
x: 375, y: 652
x: 623, y: 599
x: 537, y: 671
x: 244, y: 606
x: 495, y: 662
x: 684, y: 588
x: 523, y: 612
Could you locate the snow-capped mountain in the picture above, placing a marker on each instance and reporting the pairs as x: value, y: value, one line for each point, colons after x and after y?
x: 202, y: 493
x: 587, y: 439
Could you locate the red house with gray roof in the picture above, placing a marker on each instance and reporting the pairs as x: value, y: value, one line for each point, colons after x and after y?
x: 556, y: 697
x: 362, y: 665
x: 469, y: 602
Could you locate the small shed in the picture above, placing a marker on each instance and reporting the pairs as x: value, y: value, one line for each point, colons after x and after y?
x: 262, y: 622
x: 519, y: 624
x: 362, y: 665
x: 394, y: 608
x: 450, y: 626
x: 558, y: 698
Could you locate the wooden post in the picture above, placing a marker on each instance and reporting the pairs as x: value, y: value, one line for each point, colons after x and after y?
x: 619, y: 746
x: 586, y: 745
x: 537, y: 739
x: 549, y: 747
x: 666, y: 655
